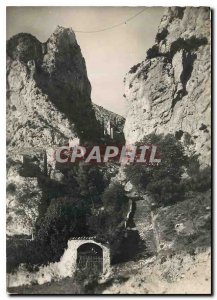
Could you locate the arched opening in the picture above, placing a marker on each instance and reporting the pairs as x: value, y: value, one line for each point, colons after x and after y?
x: 90, y: 258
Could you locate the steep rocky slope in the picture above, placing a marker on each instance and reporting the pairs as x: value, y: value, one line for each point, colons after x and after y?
x: 182, y: 226
x: 48, y: 90
x: 170, y: 91
x: 171, y: 273
x: 48, y: 102
x: 108, y: 119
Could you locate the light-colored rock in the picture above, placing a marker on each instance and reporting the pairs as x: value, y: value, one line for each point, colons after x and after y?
x: 48, y: 105
x: 48, y: 93
x: 170, y: 92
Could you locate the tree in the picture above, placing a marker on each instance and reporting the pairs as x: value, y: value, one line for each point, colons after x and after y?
x: 114, y: 198
x: 91, y: 183
x: 162, y: 181
x: 67, y: 214
x: 114, y: 216
x: 65, y: 218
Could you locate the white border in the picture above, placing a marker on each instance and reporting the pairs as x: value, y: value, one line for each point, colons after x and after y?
x: 110, y: 3
x: 3, y: 5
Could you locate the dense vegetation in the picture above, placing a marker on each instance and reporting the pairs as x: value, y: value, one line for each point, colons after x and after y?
x: 173, y: 177
x: 65, y: 208
x: 87, y: 203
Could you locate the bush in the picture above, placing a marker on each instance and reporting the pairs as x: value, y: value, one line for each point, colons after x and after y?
x: 191, y: 44
x: 200, y: 182
x: 91, y: 183
x: 153, y: 52
x: 114, y: 197
x: 162, y: 181
x: 166, y: 191
x: 161, y: 35
x: 65, y: 218
x: 193, y: 166
x: 30, y: 253
x: 11, y: 188
x: 134, y: 68
x: 66, y: 208
x: 115, y: 203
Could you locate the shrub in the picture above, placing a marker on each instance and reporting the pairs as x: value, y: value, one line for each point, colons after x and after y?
x: 11, y: 188
x: 200, y: 182
x: 166, y: 191
x: 91, y: 183
x: 153, y: 52
x: 30, y: 253
x: 114, y: 197
x: 163, y: 181
x: 180, y: 12
x: 191, y: 44
x: 65, y: 218
x: 161, y: 35
x: 64, y: 215
x: 115, y: 203
x: 134, y: 68
x: 193, y: 166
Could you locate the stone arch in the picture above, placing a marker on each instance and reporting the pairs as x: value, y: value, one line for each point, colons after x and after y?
x: 90, y: 258
x: 68, y: 262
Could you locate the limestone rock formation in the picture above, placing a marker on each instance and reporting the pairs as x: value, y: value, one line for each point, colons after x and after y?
x: 48, y: 90
x: 48, y: 102
x: 110, y: 121
x: 170, y: 91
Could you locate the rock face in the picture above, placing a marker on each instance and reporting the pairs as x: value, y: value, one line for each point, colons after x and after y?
x: 48, y: 91
x: 110, y: 121
x: 170, y: 91
x: 48, y: 102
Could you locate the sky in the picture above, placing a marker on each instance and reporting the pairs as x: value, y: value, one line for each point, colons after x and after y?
x: 108, y: 54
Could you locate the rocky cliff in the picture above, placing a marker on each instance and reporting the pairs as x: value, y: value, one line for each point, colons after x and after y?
x: 48, y: 102
x: 170, y: 91
x: 48, y: 91
x: 109, y: 120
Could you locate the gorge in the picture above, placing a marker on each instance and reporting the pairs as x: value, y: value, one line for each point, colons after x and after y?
x: 168, y: 98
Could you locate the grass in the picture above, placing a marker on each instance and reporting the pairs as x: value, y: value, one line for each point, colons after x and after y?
x: 64, y: 286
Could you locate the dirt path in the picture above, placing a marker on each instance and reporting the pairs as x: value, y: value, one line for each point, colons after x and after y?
x: 181, y: 274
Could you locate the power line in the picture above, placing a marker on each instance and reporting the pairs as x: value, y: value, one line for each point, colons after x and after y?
x: 113, y: 26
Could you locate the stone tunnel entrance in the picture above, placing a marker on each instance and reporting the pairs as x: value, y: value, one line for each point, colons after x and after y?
x: 84, y: 253
x: 90, y: 258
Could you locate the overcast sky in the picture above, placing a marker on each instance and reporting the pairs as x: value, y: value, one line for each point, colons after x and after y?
x: 109, y: 55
